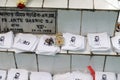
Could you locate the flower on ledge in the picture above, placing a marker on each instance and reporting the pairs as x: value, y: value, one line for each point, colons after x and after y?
x: 21, y: 4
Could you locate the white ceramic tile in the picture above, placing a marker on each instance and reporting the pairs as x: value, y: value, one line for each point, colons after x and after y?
x: 34, y: 3
x: 26, y: 61
x: 2, y: 3
x: 11, y: 3
x: 69, y: 21
x: 106, y: 4
x: 81, y: 4
x: 80, y: 62
x: 97, y: 62
x: 6, y: 60
x: 55, y: 3
x: 112, y: 64
x: 54, y: 64
x: 99, y: 21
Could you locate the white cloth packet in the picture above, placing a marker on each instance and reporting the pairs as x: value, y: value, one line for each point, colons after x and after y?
x: 116, y: 43
x: 25, y: 42
x: 6, y: 40
x: 3, y: 74
x: 17, y: 74
x: 47, y: 48
x: 73, y: 42
x: 40, y: 76
x: 76, y: 75
x: 99, y: 41
x: 65, y: 76
x: 105, y: 76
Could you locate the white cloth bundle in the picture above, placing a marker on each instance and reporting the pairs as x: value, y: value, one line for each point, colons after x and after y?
x: 47, y: 46
x: 6, y: 40
x: 116, y: 43
x: 17, y: 74
x: 3, y: 74
x: 73, y: 42
x: 25, y: 42
x: 66, y: 76
x: 76, y: 75
x: 40, y: 76
x: 105, y: 76
x: 99, y: 41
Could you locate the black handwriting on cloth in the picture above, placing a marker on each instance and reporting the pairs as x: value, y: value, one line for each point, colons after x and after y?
x: 23, y: 42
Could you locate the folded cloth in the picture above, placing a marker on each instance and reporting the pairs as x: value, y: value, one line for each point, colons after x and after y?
x: 76, y: 75
x: 118, y: 76
x: 116, y: 43
x: 25, y: 42
x: 65, y: 76
x: 3, y: 74
x: 99, y: 41
x: 47, y: 46
x: 40, y: 76
x: 6, y: 40
x: 17, y: 74
x: 73, y: 42
x: 105, y: 76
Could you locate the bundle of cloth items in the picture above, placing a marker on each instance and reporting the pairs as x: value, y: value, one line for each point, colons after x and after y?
x: 76, y: 75
x: 99, y: 41
x: 116, y: 43
x: 46, y: 46
x: 17, y: 74
x: 73, y: 42
x: 40, y: 76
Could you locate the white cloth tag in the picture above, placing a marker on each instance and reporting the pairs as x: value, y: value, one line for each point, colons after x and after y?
x: 17, y: 74
x: 118, y: 76
x: 40, y: 76
x: 47, y: 46
x: 73, y: 42
x: 99, y: 41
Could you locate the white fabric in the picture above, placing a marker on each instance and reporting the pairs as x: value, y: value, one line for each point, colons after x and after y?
x: 45, y: 49
x: 65, y: 76
x: 101, y: 43
x: 40, y: 76
x: 118, y: 76
x: 81, y: 76
x: 105, y: 76
x: 3, y: 74
x: 25, y: 42
x: 17, y: 74
x: 6, y: 40
x: 116, y: 43
x: 73, y: 42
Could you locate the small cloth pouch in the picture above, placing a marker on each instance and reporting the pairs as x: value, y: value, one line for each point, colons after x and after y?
x: 40, y: 76
x: 47, y: 46
x: 73, y: 42
x: 17, y: 74
x: 99, y: 41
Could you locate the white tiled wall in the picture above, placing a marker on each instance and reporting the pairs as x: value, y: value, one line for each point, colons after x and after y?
x: 7, y: 60
x: 27, y: 61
